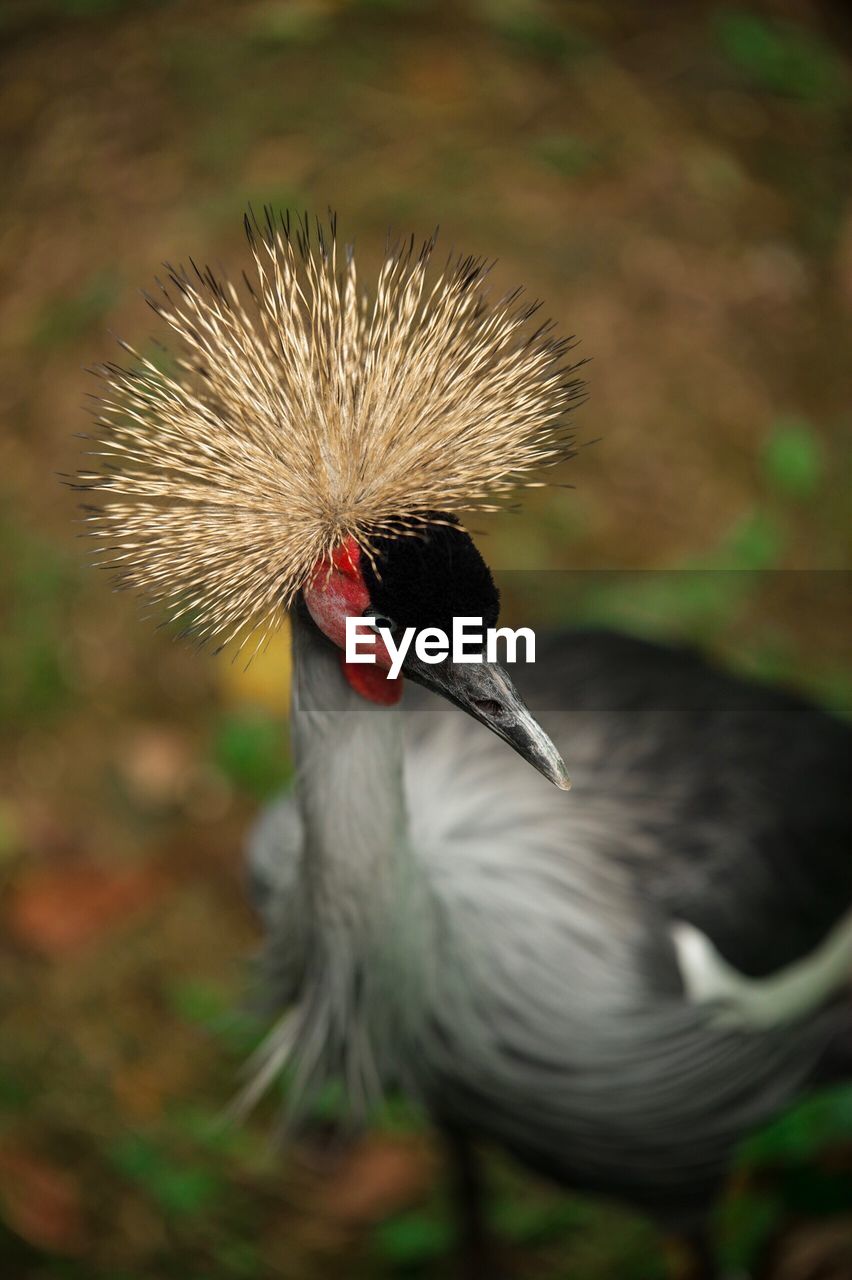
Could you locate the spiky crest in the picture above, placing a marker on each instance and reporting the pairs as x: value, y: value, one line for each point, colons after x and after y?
x: 306, y: 412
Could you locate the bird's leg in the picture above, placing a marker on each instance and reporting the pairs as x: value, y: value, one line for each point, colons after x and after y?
x: 476, y: 1248
x: 692, y: 1256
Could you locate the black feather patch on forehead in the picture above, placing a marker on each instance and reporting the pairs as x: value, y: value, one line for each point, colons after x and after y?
x: 431, y: 577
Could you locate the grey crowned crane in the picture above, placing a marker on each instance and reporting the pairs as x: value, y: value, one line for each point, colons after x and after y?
x: 615, y: 984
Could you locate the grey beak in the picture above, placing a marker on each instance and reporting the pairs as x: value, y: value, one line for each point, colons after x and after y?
x: 484, y: 691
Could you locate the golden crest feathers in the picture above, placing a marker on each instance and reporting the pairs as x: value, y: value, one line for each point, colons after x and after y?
x: 303, y: 410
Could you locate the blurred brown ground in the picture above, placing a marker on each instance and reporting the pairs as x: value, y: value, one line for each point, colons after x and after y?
x: 673, y: 180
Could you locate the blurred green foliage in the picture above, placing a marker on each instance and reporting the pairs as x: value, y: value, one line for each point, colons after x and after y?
x: 745, y: 1224
x: 792, y: 458
x: 212, y: 1009
x: 535, y: 30
x: 89, y: 8
x: 414, y: 1238
x: 20, y: 12
x: 250, y: 747
x: 811, y: 1126
x: 781, y: 56
x: 38, y: 580
x: 182, y: 1190
x: 64, y: 318
x: 755, y: 542
x: 568, y: 156
x: 288, y: 22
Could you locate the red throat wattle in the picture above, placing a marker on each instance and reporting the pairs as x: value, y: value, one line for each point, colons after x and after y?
x: 336, y: 592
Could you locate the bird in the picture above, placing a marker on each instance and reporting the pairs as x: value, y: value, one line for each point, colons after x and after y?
x: 616, y: 977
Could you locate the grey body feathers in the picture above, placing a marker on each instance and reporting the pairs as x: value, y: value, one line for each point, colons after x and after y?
x: 510, y: 961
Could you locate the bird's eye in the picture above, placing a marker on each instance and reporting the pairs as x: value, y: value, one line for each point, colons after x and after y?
x: 380, y: 622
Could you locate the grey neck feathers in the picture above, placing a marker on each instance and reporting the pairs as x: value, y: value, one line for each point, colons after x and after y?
x: 369, y: 906
x: 349, y: 785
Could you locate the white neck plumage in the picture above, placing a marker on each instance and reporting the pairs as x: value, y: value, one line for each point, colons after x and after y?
x: 348, y: 754
x: 369, y: 909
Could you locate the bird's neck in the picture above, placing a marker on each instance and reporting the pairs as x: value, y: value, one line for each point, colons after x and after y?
x: 348, y: 754
x: 370, y: 908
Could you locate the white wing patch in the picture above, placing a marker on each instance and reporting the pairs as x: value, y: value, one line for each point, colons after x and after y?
x: 755, y: 1004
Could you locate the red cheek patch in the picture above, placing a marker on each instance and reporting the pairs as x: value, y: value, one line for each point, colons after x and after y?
x: 334, y: 594
x: 372, y: 682
x: 337, y: 591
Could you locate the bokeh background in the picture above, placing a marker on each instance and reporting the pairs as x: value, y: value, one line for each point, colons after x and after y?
x: 673, y: 179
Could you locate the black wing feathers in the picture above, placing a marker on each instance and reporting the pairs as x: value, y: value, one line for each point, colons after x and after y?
x: 742, y: 792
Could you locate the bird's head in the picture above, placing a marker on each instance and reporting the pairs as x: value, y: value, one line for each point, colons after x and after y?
x: 304, y: 438
x: 421, y: 580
